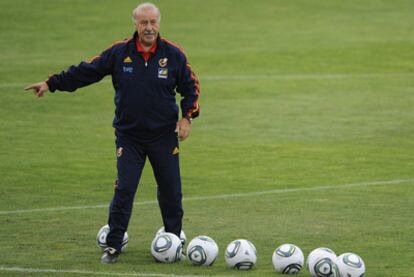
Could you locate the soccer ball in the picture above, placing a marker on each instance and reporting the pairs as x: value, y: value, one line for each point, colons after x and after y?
x: 202, y: 250
x: 288, y: 259
x: 350, y: 265
x: 183, y: 238
x: 240, y: 254
x: 166, y: 248
x: 101, y: 238
x: 321, y: 263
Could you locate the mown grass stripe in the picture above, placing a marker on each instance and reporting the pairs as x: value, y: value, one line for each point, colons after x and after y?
x: 224, y: 196
x: 88, y: 272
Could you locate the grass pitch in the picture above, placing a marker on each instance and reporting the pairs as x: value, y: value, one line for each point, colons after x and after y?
x: 305, y: 136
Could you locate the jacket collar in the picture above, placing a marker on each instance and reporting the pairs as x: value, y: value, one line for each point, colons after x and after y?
x: 159, y: 42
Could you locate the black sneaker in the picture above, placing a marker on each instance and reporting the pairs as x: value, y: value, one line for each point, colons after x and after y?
x: 110, y: 256
x: 183, y: 252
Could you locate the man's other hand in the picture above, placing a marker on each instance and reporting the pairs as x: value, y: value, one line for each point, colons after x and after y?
x: 183, y: 128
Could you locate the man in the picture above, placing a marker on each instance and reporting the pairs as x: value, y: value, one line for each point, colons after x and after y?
x: 146, y: 70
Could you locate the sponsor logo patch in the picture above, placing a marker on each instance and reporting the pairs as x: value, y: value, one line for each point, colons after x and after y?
x: 127, y: 60
x: 163, y: 73
x: 176, y: 151
x: 128, y: 69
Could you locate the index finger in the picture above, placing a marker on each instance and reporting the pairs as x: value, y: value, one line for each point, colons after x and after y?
x: 29, y: 87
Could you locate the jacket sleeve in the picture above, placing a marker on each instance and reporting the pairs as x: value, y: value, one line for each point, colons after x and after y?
x: 189, y: 88
x: 84, y: 74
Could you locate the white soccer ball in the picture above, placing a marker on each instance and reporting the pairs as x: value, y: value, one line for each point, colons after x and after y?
x: 288, y: 259
x: 166, y: 248
x: 202, y: 250
x: 183, y: 238
x: 350, y: 265
x: 240, y: 254
x: 101, y: 238
x: 321, y: 263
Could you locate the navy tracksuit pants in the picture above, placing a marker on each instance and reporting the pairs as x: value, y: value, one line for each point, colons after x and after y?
x: 162, y: 153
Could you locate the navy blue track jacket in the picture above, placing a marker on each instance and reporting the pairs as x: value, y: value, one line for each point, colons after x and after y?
x: 144, y: 91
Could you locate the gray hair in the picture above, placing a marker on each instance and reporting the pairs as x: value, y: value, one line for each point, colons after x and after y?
x: 145, y: 6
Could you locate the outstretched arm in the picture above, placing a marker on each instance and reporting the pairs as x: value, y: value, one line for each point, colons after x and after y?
x: 76, y: 77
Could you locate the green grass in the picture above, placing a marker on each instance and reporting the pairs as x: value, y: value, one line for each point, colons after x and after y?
x: 294, y: 94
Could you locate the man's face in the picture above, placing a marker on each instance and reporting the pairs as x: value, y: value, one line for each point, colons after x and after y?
x: 148, y: 25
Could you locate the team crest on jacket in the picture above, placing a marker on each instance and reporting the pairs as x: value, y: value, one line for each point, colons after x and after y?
x: 163, y: 62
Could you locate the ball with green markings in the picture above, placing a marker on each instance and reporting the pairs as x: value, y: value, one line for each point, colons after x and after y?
x: 350, y: 265
x: 241, y: 254
x: 202, y: 250
x: 288, y: 259
x: 166, y: 248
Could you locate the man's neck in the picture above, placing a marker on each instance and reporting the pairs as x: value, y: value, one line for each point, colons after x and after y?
x: 146, y: 47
